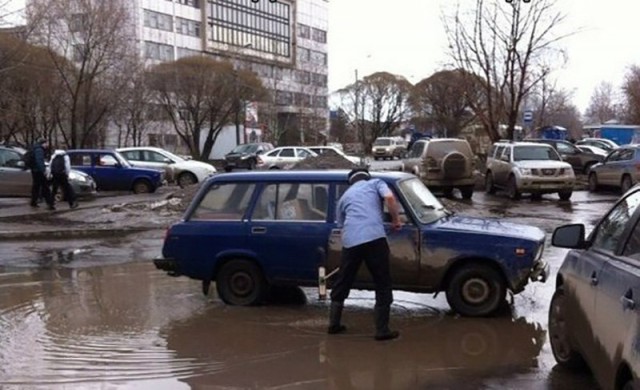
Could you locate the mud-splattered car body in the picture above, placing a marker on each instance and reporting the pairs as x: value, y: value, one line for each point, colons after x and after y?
x: 594, y: 316
x: 248, y: 231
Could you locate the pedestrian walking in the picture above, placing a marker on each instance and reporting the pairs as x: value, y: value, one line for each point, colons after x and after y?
x: 60, y: 167
x: 39, y: 185
x: 359, y: 214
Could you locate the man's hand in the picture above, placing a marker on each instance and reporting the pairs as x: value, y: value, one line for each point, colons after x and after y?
x: 396, y: 225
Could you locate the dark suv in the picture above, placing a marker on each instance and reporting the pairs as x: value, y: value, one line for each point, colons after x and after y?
x: 245, y: 155
x: 580, y: 161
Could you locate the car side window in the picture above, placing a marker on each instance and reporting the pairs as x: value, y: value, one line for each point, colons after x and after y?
x: 416, y: 150
x: 292, y: 202
x: 80, y: 160
x: 612, y: 226
x: 154, y: 157
x: 632, y: 249
x: 107, y: 160
x: 288, y: 152
x: 302, y: 153
x: 507, y: 153
x: 9, y: 158
x: 224, y: 202
x: 626, y: 155
x: 614, y: 156
x: 499, y: 151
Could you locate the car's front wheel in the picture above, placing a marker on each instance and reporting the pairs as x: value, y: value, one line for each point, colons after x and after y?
x: 466, y: 192
x: 241, y: 282
x: 142, y: 186
x: 626, y: 183
x: 559, y: 333
x: 565, y: 195
x: 186, y: 179
x: 489, y: 186
x: 512, y: 189
x: 476, y: 290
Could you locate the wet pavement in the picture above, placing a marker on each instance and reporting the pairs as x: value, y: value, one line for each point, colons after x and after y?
x: 91, y: 311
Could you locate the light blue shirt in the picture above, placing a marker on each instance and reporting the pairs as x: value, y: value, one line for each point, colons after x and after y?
x: 360, y: 212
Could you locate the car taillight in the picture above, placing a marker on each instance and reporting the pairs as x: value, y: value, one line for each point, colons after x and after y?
x: 167, y: 233
x: 431, y: 162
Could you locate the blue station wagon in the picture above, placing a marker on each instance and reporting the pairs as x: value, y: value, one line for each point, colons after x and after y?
x: 112, y: 172
x: 248, y: 231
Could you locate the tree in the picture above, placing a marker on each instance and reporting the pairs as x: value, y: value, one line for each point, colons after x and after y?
x: 96, y: 36
x: 552, y: 106
x: 509, y: 46
x: 631, y: 93
x: 376, y: 105
x: 202, y: 94
x: 603, y: 104
x: 442, y: 99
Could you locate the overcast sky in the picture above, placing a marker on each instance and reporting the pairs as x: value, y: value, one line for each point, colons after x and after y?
x: 407, y: 37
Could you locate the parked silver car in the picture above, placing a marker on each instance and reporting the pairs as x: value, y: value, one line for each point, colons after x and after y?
x: 621, y: 169
x: 16, y: 178
x: 177, y: 169
x: 283, y: 157
x: 524, y: 167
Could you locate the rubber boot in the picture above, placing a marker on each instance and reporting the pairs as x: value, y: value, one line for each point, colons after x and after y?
x: 334, y: 318
x: 381, y: 314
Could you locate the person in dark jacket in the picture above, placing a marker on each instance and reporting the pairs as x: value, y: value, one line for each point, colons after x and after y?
x: 60, y: 167
x: 364, y: 239
x: 39, y: 184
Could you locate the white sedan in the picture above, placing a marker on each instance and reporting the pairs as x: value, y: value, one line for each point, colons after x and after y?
x: 333, y: 152
x: 283, y: 157
x: 177, y: 169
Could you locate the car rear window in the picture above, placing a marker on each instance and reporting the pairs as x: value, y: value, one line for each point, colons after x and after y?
x: 292, y: 202
x: 382, y: 142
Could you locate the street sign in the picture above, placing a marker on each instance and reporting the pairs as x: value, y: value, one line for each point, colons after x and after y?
x: 527, y: 116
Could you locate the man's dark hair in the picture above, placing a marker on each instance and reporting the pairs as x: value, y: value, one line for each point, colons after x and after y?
x: 358, y: 174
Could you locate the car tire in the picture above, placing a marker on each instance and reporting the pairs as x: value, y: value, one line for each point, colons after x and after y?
x: 59, y: 196
x: 241, y: 283
x: 565, y: 195
x: 593, y: 182
x: 186, y: 179
x: 142, y: 186
x: 447, y: 192
x: 466, y: 192
x: 252, y: 165
x: 626, y: 183
x: 476, y: 290
x: 489, y: 186
x: 228, y: 169
x: 559, y: 336
x: 512, y: 189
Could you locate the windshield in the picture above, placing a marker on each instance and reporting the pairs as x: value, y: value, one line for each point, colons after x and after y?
x: 522, y: 153
x: 123, y: 161
x: 382, y: 142
x: 245, y: 148
x: 424, y: 204
x: 172, y: 156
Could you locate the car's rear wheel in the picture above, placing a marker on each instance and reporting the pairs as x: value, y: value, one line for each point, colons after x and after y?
x: 559, y: 333
x: 241, y: 283
x: 565, y: 195
x: 489, y: 186
x: 228, y: 169
x: 593, y: 182
x: 626, y: 183
x: 512, y: 189
x: 186, y: 179
x: 142, y: 186
x: 447, y: 192
x: 476, y: 290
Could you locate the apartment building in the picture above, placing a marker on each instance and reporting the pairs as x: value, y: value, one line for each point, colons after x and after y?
x: 284, y: 42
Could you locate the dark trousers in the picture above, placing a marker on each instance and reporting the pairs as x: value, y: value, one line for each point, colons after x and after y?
x: 375, y: 255
x: 61, y: 180
x: 40, y: 187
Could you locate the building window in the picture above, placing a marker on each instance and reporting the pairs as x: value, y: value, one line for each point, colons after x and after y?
x: 78, y: 22
x: 158, y: 51
x: 304, y: 31
x: 303, y: 77
x: 319, y: 80
x: 320, y: 101
x: 304, y: 55
x: 303, y: 100
x: 284, y: 98
x: 182, y: 52
x: 319, y: 35
x: 191, y: 3
x: 158, y: 20
x: 187, y: 27
x: 318, y: 57
x: 265, y: 25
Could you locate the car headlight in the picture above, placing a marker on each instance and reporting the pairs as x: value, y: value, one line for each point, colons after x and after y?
x: 525, y: 171
x: 539, y: 252
x: 77, y: 177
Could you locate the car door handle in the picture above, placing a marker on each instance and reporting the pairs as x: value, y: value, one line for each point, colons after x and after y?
x: 258, y: 230
x: 594, y: 279
x: 627, y: 300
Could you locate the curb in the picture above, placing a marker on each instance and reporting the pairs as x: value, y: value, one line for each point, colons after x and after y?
x: 68, y: 234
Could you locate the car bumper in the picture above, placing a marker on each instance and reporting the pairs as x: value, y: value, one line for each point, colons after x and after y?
x: 170, y: 266
x: 543, y: 186
x: 540, y: 272
x: 440, y: 183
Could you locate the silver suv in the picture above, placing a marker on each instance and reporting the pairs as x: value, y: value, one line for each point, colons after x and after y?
x: 527, y: 167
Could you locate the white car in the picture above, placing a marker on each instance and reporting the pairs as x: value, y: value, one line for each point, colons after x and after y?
x: 177, y: 169
x: 283, y: 157
x: 333, y: 151
x: 592, y: 149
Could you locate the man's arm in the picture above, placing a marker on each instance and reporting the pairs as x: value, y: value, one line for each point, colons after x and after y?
x: 394, y: 210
